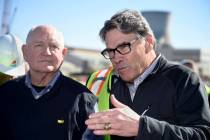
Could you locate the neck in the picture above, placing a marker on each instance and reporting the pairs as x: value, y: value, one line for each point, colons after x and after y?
x: 149, y: 60
x: 152, y: 58
x: 40, y: 78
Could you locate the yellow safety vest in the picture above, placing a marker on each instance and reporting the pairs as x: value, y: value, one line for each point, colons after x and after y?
x: 99, y: 83
x: 207, y: 90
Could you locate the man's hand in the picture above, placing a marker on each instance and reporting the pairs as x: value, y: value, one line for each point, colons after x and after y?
x: 121, y: 120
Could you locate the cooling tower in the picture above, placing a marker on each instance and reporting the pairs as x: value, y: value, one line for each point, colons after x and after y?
x: 159, y: 22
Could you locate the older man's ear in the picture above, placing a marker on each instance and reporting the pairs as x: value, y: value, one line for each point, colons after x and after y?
x: 24, y: 50
x: 65, y: 52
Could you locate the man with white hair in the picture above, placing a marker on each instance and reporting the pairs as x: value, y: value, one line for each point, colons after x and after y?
x: 44, y: 104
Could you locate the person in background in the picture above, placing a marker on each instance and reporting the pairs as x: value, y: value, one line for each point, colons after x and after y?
x: 191, y: 64
x: 151, y: 98
x: 12, y: 63
x: 44, y: 104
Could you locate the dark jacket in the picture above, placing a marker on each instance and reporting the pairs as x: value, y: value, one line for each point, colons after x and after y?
x: 176, y: 102
x: 57, y: 115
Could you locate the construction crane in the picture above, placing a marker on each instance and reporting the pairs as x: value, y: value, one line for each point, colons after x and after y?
x: 7, y: 17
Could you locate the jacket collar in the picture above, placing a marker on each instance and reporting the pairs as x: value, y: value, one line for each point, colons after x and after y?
x: 162, y: 61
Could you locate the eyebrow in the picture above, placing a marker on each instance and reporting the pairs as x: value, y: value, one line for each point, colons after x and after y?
x: 36, y: 42
x: 123, y: 43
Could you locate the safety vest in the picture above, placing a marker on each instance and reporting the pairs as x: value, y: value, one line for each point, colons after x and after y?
x: 99, y: 83
x: 207, y: 90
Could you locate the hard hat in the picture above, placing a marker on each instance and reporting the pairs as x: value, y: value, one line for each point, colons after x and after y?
x: 11, y: 57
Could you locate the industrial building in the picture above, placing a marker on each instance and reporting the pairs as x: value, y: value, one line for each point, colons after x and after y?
x: 160, y: 22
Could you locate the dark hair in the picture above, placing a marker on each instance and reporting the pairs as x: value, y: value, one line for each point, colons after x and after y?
x: 127, y: 21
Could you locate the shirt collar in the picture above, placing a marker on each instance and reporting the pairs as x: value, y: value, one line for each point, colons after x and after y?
x: 133, y: 86
x: 49, y: 86
x: 148, y: 70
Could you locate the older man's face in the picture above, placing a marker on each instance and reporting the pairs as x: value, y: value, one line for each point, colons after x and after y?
x: 131, y: 65
x: 44, y: 51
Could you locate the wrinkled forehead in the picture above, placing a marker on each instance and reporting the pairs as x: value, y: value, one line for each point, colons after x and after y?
x: 45, y: 34
x: 116, y: 37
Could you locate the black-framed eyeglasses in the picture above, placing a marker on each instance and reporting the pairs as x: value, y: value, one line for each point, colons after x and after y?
x: 123, y: 49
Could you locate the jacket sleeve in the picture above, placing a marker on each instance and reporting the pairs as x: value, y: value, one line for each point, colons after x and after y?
x: 83, y: 107
x: 192, y: 115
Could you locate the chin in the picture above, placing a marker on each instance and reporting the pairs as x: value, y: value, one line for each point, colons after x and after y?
x: 126, y: 78
x: 51, y: 70
x: 48, y: 69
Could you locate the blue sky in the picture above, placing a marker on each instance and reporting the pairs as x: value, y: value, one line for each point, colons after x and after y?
x: 81, y: 20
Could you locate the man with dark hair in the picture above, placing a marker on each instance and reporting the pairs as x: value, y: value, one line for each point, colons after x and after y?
x: 151, y: 98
